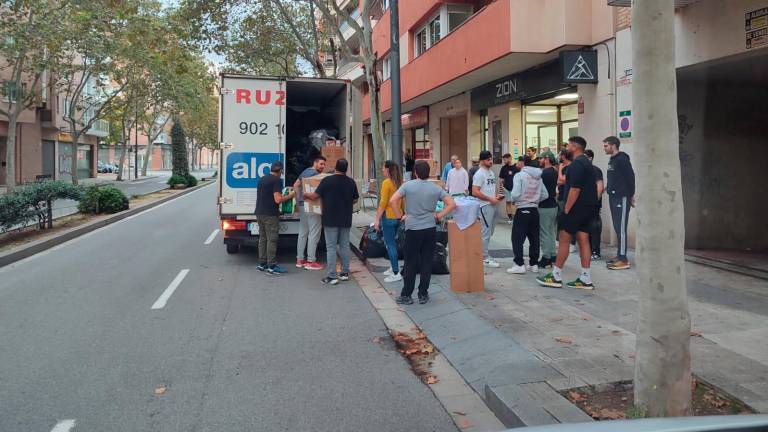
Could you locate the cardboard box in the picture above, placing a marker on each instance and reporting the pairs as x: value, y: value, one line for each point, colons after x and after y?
x: 310, y: 184
x: 332, y: 153
x: 465, y: 251
x: 434, y: 167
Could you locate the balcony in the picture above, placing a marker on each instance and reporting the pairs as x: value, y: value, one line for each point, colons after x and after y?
x: 346, y: 30
x: 100, y: 129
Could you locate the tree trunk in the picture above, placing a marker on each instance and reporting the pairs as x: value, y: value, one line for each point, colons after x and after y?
x: 121, y: 166
x: 75, y: 144
x: 10, y: 153
x: 147, y: 157
x: 663, y: 359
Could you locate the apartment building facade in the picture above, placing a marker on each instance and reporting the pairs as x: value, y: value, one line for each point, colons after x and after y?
x: 497, y: 75
x: 44, y: 146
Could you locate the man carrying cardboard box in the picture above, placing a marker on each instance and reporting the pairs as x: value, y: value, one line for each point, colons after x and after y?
x: 310, y: 225
x: 339, y: 194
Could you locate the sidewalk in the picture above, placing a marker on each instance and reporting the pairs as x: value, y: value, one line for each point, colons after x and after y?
x: 728, y: 312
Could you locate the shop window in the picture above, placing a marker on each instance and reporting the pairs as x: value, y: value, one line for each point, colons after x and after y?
x: 11, y: 90
x: 549, y: 125
x: 421, y: 143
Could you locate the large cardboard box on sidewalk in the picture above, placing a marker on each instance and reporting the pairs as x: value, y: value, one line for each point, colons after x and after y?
x: 309, y: 184
x: 332, y: 153
x: 465, y: 250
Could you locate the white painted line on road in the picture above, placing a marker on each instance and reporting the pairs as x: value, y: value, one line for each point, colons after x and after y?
x: 64, y: 426
x: 212, y: 236
x: 163, y: 299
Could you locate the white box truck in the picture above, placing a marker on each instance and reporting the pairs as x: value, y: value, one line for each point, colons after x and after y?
x: 264, y: 119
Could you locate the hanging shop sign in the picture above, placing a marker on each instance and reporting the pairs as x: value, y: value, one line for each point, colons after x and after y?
x: 579, y: 67
x: 531, y: 83
x: 416, y: 118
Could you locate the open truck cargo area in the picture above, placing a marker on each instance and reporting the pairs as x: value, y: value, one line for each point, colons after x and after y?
x: 265, y: 119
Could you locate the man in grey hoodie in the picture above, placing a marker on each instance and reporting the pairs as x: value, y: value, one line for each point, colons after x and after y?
x: 528, y: 191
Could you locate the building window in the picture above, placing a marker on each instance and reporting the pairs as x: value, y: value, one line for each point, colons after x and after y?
x: 421, y: 144
x: 457, y: 14
x: 449, y: 17
x: 484, y: 130
x: 11, y: 90
x: 386, y: 65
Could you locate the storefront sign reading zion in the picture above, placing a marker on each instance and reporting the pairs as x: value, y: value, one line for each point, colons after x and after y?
x: 255, y: 116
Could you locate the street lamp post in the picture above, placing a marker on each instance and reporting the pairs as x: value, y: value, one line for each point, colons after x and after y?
x: 394, y: 75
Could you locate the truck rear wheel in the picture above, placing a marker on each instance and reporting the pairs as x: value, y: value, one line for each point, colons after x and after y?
x: 233, y: 248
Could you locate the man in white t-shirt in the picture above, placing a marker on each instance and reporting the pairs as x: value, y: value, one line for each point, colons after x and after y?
x: 485, y: 189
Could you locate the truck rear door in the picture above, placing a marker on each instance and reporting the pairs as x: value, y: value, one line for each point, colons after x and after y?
x: 252, y: 128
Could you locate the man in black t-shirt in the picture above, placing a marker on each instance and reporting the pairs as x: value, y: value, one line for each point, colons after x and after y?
x: 268, y: 196
x: 339, y: 193
x: 548, y: 210
x: 578, y: 212
x: 596, y: 227
x: 507, y: 175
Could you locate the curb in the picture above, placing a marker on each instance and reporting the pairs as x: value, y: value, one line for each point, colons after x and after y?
x: 514, y: 384
x: 43, y: 244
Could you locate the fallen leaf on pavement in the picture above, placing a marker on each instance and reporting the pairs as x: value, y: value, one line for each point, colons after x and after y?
x: 617, y: 333
x: 421, y: 335
x: 489, y: 297
x: 606, y: 413
x: 427, y: 349
x: 631, y: 355
x: 563, y: 339
x: 376, y: 340
x: 695, y: 334
x: 575, y: 396
x: 584, y: 318
x: 556, y: 319
x: 160, y: 390
x: 464, y: 424
x: 459, y: 413
x: 431, y: 379
x: 411, y: 351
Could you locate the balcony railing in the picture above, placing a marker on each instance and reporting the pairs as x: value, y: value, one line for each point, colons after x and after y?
x: 345, y: 28
x: 100, y: 128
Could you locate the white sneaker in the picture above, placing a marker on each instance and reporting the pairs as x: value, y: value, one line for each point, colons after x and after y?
x: 388, y: 272
x: 491, y: 263
x: 393, y: 278
x: 534, y: 269
x: 516, y: 270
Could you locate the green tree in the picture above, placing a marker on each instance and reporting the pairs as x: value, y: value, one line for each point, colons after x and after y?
x: 31, y: 35
x: 179, y: 149
x: 663, y: 361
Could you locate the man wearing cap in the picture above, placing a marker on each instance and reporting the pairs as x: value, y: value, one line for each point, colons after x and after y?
x: 578, y: 213
x: 621, y: 196
x: 268, y: 197
x: 485, y: 189
x: 548, y: 210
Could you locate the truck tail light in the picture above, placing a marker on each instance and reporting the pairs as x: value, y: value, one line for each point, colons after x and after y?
x: 229, y: 225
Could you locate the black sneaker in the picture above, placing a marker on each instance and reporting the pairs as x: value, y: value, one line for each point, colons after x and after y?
x: 596, y: 257
x: 344, y: 276
x: 402, y: 300
x: 423, y: 299
x: 330, y: 280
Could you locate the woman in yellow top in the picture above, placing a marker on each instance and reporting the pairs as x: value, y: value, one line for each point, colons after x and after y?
x: 389, y: 222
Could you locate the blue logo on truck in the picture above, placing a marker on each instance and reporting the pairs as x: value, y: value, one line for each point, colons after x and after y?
x: 245, y: 169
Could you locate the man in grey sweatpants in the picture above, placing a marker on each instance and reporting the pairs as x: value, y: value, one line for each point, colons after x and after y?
x: 621, y: 197
x: 548, y: 210
x: 485, y: 189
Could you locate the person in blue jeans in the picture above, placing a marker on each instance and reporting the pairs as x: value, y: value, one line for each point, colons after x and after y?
x: 339, y: 194
x: 386, y: 219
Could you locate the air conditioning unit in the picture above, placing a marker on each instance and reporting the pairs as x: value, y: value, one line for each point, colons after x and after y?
x: 628, y: 3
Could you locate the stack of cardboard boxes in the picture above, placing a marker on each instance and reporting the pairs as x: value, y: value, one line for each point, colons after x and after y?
x: 332, y: 151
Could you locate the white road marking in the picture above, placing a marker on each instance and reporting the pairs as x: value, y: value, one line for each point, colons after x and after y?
x: 212, y: 236
x: 64, y: 426
x: 163, y: 299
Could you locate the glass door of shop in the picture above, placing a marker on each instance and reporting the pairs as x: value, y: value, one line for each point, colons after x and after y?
x: 548, y: 124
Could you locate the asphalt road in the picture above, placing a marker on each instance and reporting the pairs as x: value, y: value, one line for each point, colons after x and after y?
x: 234, y: 349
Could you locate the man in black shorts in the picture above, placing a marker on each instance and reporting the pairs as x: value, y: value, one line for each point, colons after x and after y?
x: 578, y: 213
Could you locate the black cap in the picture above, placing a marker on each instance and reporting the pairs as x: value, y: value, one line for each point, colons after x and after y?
x: 277, y: 166
x: 485, y: 155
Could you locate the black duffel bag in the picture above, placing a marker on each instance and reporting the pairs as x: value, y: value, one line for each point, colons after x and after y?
x: 440, y: 260
x: 372, y: 244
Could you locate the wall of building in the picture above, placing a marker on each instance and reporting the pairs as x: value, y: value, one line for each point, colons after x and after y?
x: 455, y: 106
